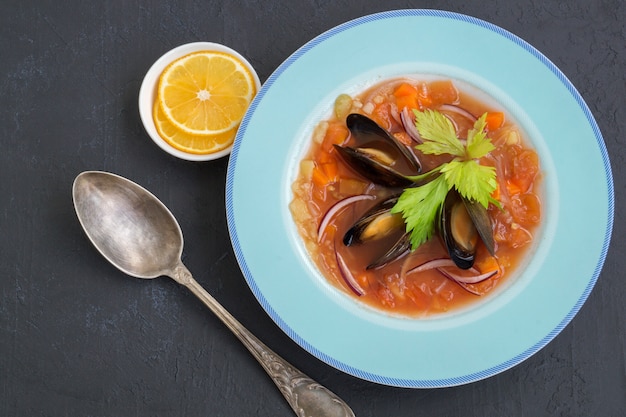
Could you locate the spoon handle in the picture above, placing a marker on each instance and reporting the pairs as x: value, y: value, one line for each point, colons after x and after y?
x: 306, y: 397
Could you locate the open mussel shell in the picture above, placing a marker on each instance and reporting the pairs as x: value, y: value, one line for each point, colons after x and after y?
x: 462, y: 224
x: 365, y: 131
x: 364, y: 164
x: 482, y: 223
x: 376, y: 223
x: 376, y: 154
x: 399, y: 249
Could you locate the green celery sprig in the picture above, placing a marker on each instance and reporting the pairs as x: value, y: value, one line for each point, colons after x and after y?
x: 421, y: 205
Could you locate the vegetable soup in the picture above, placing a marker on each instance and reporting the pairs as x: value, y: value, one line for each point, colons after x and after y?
x: 416, y: 197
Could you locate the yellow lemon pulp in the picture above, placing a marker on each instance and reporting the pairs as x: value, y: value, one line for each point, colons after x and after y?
x: 201, y: 99
x: 186, y: 142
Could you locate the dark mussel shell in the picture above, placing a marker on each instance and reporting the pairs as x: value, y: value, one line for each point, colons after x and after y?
x: 482, y: 222
x: 375, y: 171
x: 457, y: 231
x: 399, y: 249
x: 368, y: 227
x: 366, y: 133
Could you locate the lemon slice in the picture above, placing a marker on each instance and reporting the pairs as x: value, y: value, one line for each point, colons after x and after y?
x: 205, y: 93
x: 190, y: 143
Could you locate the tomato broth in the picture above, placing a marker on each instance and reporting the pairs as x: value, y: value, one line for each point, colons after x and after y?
x: 324, y: 179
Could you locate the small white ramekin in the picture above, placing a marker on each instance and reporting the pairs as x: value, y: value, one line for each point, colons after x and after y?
x: 148, y: 92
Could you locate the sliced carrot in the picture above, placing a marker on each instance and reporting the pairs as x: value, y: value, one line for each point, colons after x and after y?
x: 513, y: 188
x: 487, y: 263
x: 331, y: 171
x: 495, y: 120
x: 496, y: 193
x: 412, y: 97
x: 318, y: 177
x: 325, y: 157
x: 405, y: 89
x: 325, y: 174
x: 406, y: 96
x: 407, y: 101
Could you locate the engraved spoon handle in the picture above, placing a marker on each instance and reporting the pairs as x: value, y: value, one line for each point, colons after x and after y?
x: 306, y: 397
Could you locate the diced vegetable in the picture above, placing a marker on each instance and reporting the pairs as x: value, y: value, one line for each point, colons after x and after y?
x: 405, y: 89
x: 526, y: 209
x: 513, y: 188
x: 325, y: 171
x: 406, y: 97
x: 336, y: 134
x: 496, y: 193
x: 443, y: 92
x: 331, y: 170
x: 343, y: 104
x: 519, y: 236
x: 299, y: 211
x: 525, y: 169
x: 319, y: 133
x: 306, y: 168
x: 349, y: 186
x: 381, y: 114
x: 319, y: 178
x: 494, y: 120
x: 485, y: 263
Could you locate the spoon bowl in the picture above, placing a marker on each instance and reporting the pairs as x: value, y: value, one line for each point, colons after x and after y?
x: 136, y: 233
x: 130, y: 227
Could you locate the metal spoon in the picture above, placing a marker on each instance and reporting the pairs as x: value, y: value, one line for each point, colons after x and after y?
x: 134, y: 231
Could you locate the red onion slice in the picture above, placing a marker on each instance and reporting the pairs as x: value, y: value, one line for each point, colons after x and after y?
x: 472, y: 279
x: 458, y: 110
x: 409, y: 125
x: 435, y: 263
x: 462, y: 280
x: 336, y: 208
x: 347, y: 276
x: 462, y: 284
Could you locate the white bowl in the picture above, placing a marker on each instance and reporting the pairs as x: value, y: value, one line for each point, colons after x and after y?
x: 148, y: 91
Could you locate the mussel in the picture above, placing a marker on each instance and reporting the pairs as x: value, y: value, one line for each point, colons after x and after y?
x: 377, y: 223
x: 462, y: 224
x: 482, y: 223
x: 397, y: 250
x: 376, y: 153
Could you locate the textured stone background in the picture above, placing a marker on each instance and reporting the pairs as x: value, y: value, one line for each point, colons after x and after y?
x: 77, y: 338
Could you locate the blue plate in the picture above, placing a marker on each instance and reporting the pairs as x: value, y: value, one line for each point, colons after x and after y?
x: 496, y: 333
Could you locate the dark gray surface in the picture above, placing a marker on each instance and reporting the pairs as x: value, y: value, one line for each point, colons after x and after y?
x: 78, y: 338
